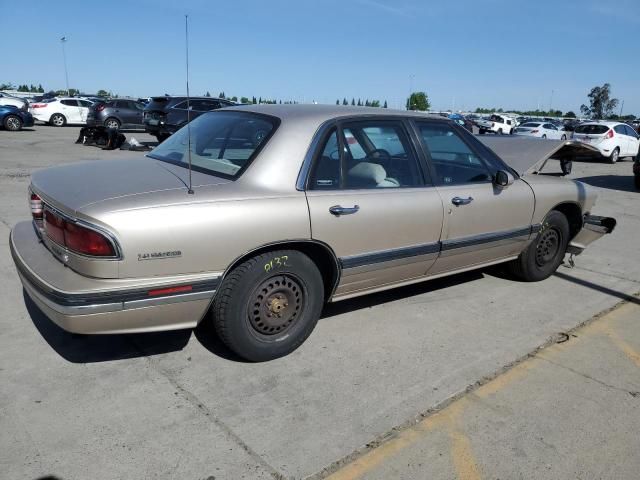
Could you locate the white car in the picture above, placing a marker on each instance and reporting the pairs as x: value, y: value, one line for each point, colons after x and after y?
x: 614, y: 140
x: 500, y: 124
x: 541, y: 130
x: 60, y: 111
x: 6, y: 99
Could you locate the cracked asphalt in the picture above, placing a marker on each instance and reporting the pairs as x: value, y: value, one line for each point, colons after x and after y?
x: 446, y: 379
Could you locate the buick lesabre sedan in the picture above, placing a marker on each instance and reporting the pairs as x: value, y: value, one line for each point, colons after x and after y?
x: 283, y: 209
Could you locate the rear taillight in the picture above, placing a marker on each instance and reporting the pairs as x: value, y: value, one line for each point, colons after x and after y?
x: 35, y: 202
x: 100, y: 107
x: 76, y: 237
x: 535, y: 131
x: 609, y: 134
x: 38, y: 105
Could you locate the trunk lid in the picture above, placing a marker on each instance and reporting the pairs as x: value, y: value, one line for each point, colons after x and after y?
x: 72, y: 187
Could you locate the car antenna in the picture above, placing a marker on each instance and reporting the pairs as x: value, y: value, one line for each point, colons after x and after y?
x: 186, y: 34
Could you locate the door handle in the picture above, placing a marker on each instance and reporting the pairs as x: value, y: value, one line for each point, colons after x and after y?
x: 338, y: 210
x: 457, y: 201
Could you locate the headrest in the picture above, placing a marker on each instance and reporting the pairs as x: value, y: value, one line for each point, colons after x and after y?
x: 369, y: 172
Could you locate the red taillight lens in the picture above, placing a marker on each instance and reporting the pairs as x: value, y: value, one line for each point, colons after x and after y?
x: 100, y: 107
x: 35, y: 203
x: 535, y: 131
x: 54, y: 226
x: 38, y: 105
x: 88, y: 242
x: 609, y: 134
x: 76, y: 237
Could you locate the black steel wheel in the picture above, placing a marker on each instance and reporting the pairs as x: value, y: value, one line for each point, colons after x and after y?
x: 12, y: 123
x: 544, y: 254
x: 267, y: 306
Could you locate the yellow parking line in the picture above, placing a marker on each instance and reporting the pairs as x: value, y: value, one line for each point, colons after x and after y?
x: 464, y: 460
x: 606, y: 328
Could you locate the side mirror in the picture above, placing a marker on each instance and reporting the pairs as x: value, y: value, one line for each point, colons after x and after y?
x: 503, y: 179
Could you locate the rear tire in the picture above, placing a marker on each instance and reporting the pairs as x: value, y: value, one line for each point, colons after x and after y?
x: 267, y: 306
x: 615, y: 155
x: 112, y: 123
x: 544, y: 136
x: 12, y: 123
x: 58, y: 120
x: 499, y: 131
x: 544, y: 255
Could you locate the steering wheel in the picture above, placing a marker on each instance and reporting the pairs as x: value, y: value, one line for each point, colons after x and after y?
x: 378, y: 154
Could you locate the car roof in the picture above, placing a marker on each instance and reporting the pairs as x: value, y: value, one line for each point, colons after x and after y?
x: 322, y: 113
x: 608, y: 123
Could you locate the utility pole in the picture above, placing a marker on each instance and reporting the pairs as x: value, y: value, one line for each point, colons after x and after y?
x: 621, y: 107
x: 411, y: 76
x: 551, y: 102
x: 63, y: 40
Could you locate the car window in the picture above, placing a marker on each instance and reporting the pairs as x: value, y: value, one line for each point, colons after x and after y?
x: 620, y: 129
x: 204, y: 105
x: 69, y: 103
x: 326, y: 173
x: 591, y: 129
x: 137, y: 106
x: 85, y: 103
x: 222, y: 143
x: 531, y: 125
x: 630, y: 131
x: 181, y: 105
x: 376, y: 154
x: 453, y: 161
x: 549, y: 126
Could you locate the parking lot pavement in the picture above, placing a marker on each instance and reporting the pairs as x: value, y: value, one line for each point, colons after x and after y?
x: 559, y: 414
x: 178, y: 404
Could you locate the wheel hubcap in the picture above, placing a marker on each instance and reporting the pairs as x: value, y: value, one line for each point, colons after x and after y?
x: 277, y: 305
x: 547, y: 247
x: 57, y: 120
x: 14, y: 124
x: 112, y: 124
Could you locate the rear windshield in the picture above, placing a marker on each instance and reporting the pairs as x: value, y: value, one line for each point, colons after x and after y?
x: 530, y: 125
x: 222, y: 143
x: 592, y: 129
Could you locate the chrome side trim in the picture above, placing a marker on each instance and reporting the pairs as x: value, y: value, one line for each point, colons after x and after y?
x: 354, y: 261
x: 485, y: 238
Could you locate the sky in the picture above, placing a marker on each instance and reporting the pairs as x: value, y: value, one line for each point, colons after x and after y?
x: 464, y: 53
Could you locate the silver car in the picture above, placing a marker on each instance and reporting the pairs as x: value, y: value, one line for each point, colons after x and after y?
x: 285, y: 208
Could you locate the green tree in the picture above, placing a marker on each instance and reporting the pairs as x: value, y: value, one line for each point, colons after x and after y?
x: 254, y: 101
x: 359, y: 103
x: 221, y: 95
x: 40, y: 89
x: 375, y: 103
x: 344, y: 101
x: 7, y: 86
x: 385, y: 104
x: 601, y: 105
x: 234, y: 99
x: 244, y: 100
x: 337, y: 102
x: 418, y: 101
x: 353, y: 101
x: 569, y: 114
x: 102, y: 93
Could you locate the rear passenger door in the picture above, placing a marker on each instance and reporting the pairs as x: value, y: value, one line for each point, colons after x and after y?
x: 623, y: 140
x: 71, y: 110
x: 481, y: 222
x: 371, y: 201
x: 634, y: 141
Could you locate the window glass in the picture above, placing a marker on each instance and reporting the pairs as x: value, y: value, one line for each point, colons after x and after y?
x: 591, y: 129
x: 181, y: 105
x: 630, y: 131
x: 326, y: 175
x: 85, y: 103
x: 378, y: 155
x: 620, y: 129
x: 454, y: 162
x: 375, y: 155
x: 222, y: 143
x: 69, y: 103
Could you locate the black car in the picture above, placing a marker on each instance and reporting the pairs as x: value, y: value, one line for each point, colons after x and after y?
x: 118, y: 113
x: 165, y: 115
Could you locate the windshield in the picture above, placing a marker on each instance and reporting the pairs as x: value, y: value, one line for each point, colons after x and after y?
x: 222, y: 143
x: 592, y: 129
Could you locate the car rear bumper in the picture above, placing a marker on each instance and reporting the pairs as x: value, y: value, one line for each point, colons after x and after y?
x: 106, y: 305
x: 593, y: 228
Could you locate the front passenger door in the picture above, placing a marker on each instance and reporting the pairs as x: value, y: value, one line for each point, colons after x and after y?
x: 370, y: 201
x: 481, y: 222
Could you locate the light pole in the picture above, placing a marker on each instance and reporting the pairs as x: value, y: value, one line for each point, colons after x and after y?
x: 63, y: 40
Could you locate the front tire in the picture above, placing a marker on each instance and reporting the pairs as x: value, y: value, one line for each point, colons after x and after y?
x: 615, y: 155
x: 12, y: 123
x: 267, y: 306
x: 544, y: 255
x: 58, y: 120
x: 499, y: 131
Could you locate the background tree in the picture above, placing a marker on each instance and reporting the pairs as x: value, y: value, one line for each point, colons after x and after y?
x: 385, y: 104
x: 353, y: 101
x: 254, y: 101
x: 344, y: 101
x: 337, y: 102
x: 375, y: 103
x: 570, y: 114
x: 221, y: 95
x: 601, y: 105
x: 234, y: 99
x: 7, y: 86
x: 102, y: 93
x: 40, y: 89
x: 418, y: 101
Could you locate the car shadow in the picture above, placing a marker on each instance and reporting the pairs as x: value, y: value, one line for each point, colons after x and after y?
x: 102, y: 348
x: 623, y: 183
